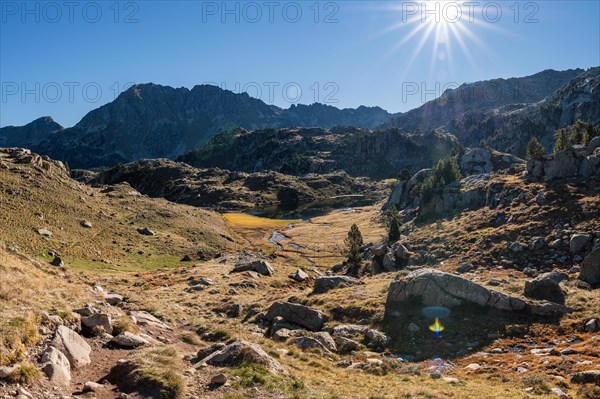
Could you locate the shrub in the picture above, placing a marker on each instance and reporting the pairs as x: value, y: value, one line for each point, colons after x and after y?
x: 535, y: 151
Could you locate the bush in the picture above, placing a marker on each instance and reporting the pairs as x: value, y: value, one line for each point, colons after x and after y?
x: 535, y: 151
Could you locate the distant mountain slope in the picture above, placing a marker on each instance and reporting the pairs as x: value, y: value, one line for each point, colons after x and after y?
x: 359, y: 152
x: 153, y: 121
x: 505, y: 114
x: 29, y: 135
x: 510, y: 130
x: 472, y: 98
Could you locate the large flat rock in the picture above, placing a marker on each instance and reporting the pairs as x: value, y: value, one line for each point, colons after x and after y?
x: 435, y: 288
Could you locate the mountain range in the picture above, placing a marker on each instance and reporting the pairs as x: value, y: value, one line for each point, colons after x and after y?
x: 154, y: 121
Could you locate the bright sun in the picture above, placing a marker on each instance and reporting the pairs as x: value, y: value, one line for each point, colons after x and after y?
x: 442, y: 24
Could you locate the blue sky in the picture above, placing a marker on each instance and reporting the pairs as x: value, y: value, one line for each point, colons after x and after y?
x: 64, y: 61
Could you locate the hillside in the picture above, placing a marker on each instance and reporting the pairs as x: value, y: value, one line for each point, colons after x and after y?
x: 278, y: 319
x: 358, y: 152
x: 229, y: 190
x: 505, y: 113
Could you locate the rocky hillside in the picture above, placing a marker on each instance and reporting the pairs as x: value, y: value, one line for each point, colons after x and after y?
x: 507, y: 112
x: 359, y: 152
x: 109, y: 294
x: 227, y: 190
x: 154, y: 121
x: 44, y: 211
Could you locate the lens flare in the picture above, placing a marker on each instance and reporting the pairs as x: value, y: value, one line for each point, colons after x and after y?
x: 436, y: 327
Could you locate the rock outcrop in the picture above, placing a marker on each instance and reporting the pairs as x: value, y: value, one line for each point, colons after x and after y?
x: 73, y: 346
x: 579, y: 161
x: 304, y: 316
x: 327, y: 283
x: 242, y: 351
x: 434, y: 288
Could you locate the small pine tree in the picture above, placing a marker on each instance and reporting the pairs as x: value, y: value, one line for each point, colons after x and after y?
x: 535, y: 151
x: 353, y: 243
x: 562, y: 142
x: 394, y: 230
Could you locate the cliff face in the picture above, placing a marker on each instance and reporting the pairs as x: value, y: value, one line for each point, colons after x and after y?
x: 359, y: 152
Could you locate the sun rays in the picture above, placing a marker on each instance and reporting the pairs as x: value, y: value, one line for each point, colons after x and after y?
x: 443, y: 29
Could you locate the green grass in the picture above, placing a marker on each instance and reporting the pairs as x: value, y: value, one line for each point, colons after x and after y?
x: 27, y: 374
x: 161, y: 368
x: 133, y: 263
x: 256, y: 375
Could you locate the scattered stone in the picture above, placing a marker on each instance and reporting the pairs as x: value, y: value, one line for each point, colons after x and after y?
x: 8, y: 371
x: 113, y: 299
x: 235, y: 311
x: 578, y: 242
x: 72, y: 346
x: 516, y: 247
x: 219, y: 379
x: 145, y: 231
x: 299, y: 314
x: 413, y: 328
x: 537, y: 243
x: 243, y: 351
x: 86, y: 224
x: 568, y: 351
x: 310, y: 343
x: 451, y: 380
x: 497, y: 350
x: 350, y: 329
x: 327, y: 283
x: 376, y: 340
x: 264, y: 268
x: 57, y: 261
x: 587, y: 377
x: 98, y: 323
x: 202, y: 353
x: 299, y: 276
x: 590, y: 268
x: 186, y: 258
x: 259, y: 266
x: 44, y: 232
x: 129, y: 340
x: 91, y: 386
x: 465, y: 268
x: 559, y: 393
x: 591, y: 325
x: 346, y: 345
x: 144, y: 318
x: 546, y: 287
x: 473, y: 367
